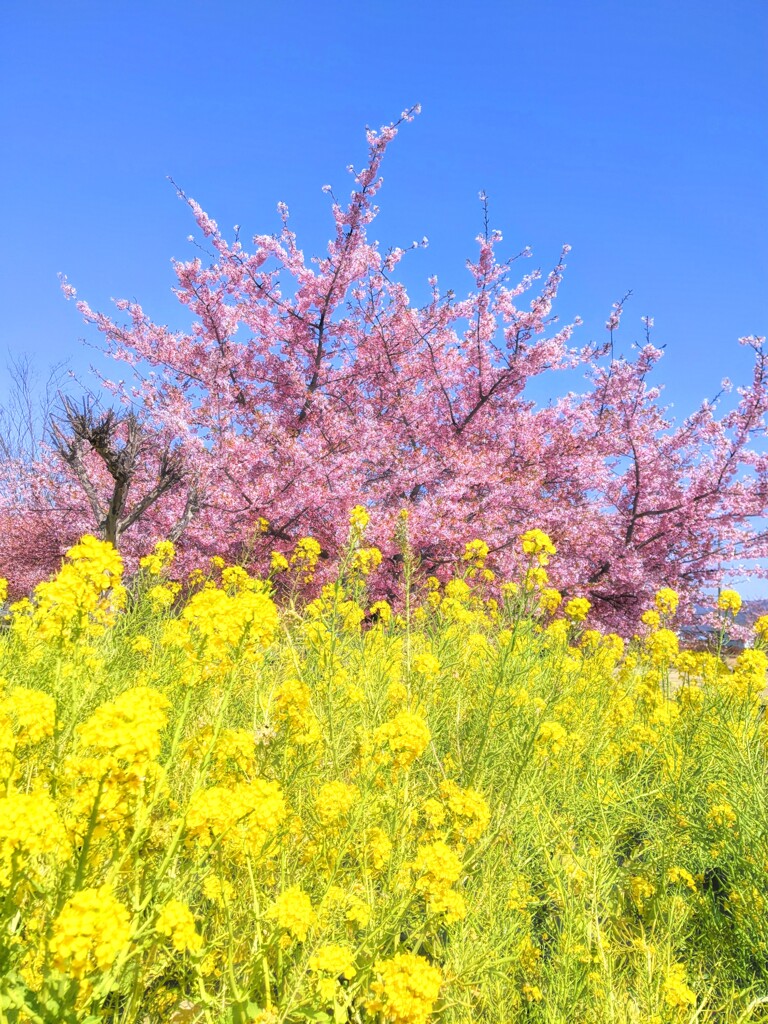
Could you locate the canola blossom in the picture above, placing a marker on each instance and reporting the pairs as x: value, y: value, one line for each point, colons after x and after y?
x: 241, y: 803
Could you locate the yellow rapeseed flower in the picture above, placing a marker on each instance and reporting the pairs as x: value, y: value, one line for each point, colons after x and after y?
x: 30, y: 829
x: 335, y: 800
x: 729, y: 601
x: 677, y: 993
x: 406, y: 989
x: 377, y: 849
x: 365, y: 560
x: 246, y: 813
x: 305, y: 557
x: 536, y: 542
x: 476, y: 552
x: 129, y: 726
x: 550, y: 600
x: 333, y: 959
x: 161, y: 557
x: 405, y: 737
x: 218, y: 890
x: 177, y: 923
x: 278, y: 562
x: 426, y: 664
x: 381, y: 610
x: 577, y: 609
x: 294, y: 913
x: 551, y: 737
x: 667, y: 601
x: 469, y: 809
x: 651, y: 618
x: 359, y: 518
x: 92, y: 929
x: 663, y: 646
x: 32, y: 714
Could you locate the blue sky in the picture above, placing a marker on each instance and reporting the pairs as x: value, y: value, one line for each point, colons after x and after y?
x: 636, y: 132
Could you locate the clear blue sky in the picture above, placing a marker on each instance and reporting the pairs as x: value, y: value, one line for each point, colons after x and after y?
x: 637, y: 132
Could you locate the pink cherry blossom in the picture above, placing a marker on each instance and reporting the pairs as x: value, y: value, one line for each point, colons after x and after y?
x: 303, y: 387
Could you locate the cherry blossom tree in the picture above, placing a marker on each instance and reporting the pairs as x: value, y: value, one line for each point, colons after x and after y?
x: 305, y: 386
x: 93, y: 471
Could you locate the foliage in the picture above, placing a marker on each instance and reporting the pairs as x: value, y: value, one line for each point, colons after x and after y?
x: 217, y: 808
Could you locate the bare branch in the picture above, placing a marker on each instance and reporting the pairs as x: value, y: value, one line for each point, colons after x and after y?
x: 121, y: 442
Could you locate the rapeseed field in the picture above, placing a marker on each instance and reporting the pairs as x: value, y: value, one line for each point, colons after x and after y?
x: 224, y: 802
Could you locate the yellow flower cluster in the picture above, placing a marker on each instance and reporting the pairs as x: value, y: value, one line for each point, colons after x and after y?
x: 210, y: 803
x: 278, y: 562
x: 663, y: 646
x: 476, y: 553
x: 365, y: 560
x: 334, y: 801
x: 469, y: 810
x: 83, y: 598
x: 218, y: 890
x: 404, y: 738
x: 177, y: 923
x: 231, y: 750
x: 93, y: 928
x: 128, y: 727
x: 161, y: 558
x: 381, y: 610
x: 162, y: 596
x: 550, y: 600
x: 332, y: 962
x: 538, y: 544
x: 378, y: 849
x: 680, y: 875
x: 721, y: 816
x: 230, y: 625
x: 294, y: 912
x: 242, y: 817
x: 651, y: 618
x: 551, y: 737
x: 29, y: 716
x: 750, y: 674
x: 677, y: 993
x: 729, y: 601
x: 427, y: 665
x: 535, y: 578
x: 577, y: 609
x: 293, y: 708
x: 359, y: 518
x: 437, y: 867
x: 406, y: 989
x: 30, y: 830
x: 332, y: 606
x: 667, y: 601
x: 305, y: 557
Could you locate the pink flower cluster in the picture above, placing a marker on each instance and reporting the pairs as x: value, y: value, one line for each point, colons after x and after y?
x: 304, y: 387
